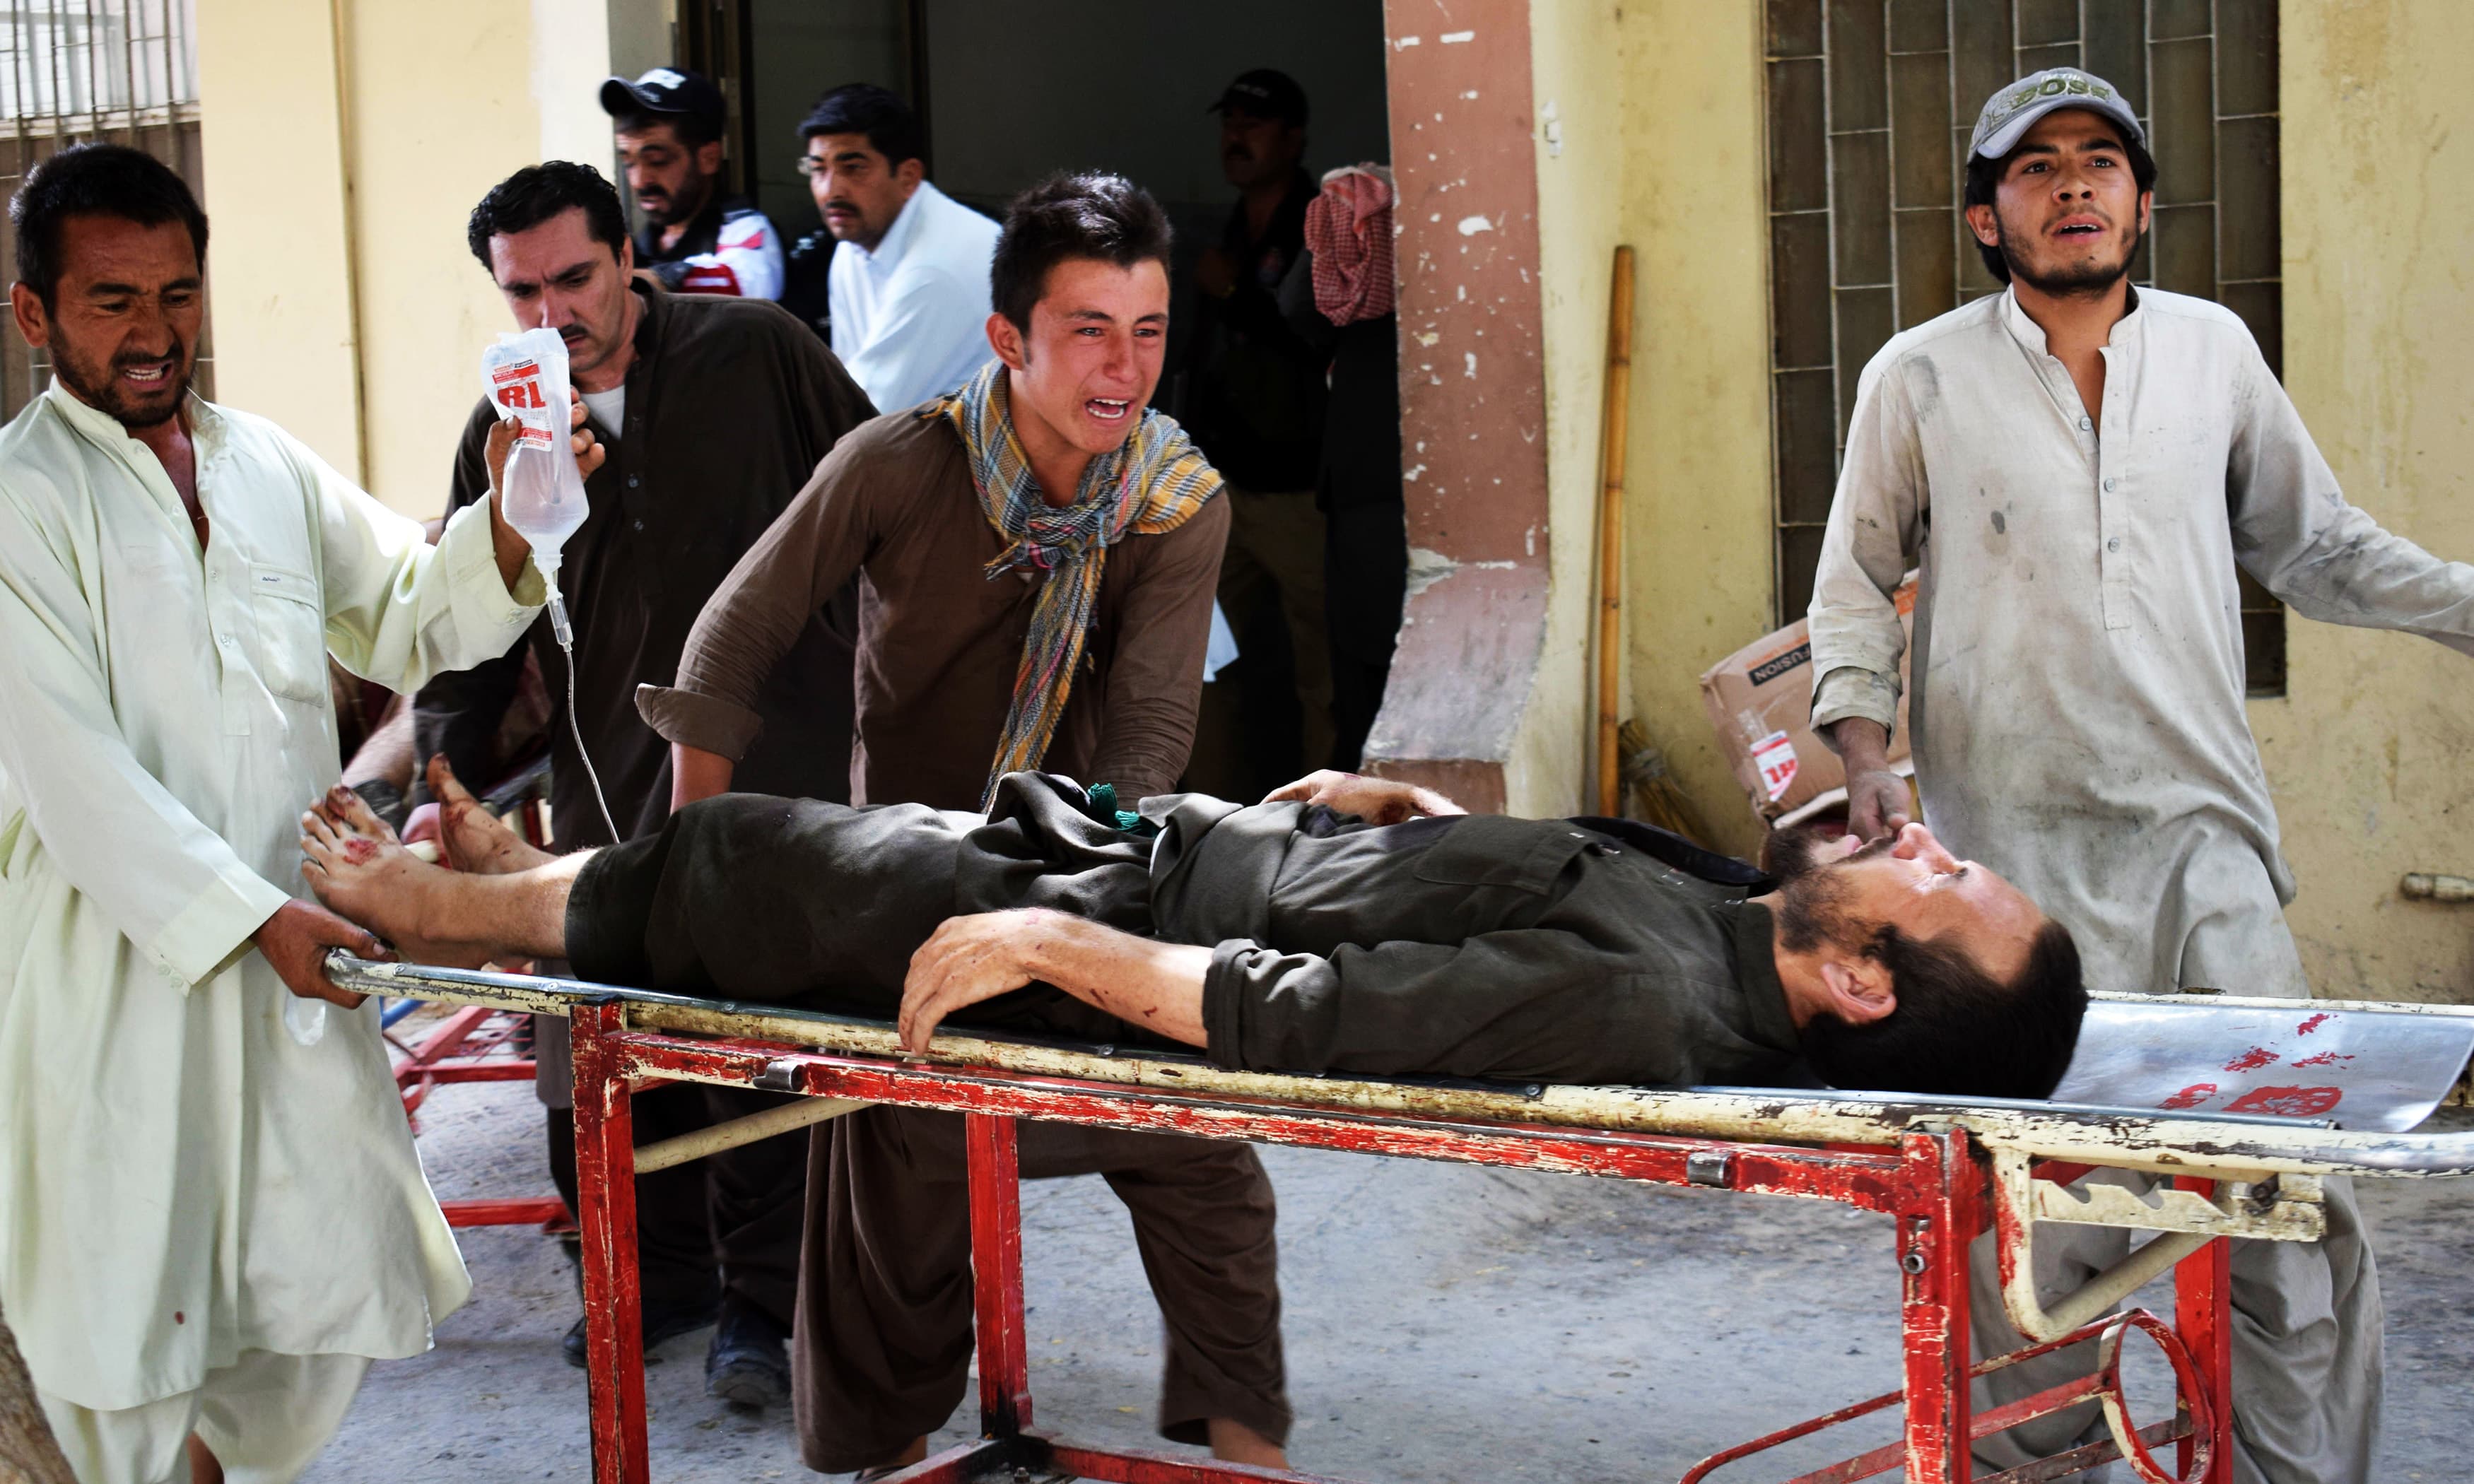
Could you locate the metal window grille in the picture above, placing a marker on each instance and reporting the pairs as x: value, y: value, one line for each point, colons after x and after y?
x: 81, y: 71
x: 1871, y: 104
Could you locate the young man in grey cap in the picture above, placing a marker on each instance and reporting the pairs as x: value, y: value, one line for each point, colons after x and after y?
x: 2079, y: 466
x: 670, y: 123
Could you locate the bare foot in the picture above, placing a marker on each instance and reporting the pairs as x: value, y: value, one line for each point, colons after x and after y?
x: 362, y: 871
x: 476, y: 840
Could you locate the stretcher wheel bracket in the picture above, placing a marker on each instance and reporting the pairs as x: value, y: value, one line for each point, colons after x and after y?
x: 2190, y: 1425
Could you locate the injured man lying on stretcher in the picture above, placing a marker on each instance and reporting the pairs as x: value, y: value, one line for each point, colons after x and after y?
x: 1344, y: 924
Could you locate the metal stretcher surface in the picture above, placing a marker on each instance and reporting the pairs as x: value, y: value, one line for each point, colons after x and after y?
x: 2295, y: 1091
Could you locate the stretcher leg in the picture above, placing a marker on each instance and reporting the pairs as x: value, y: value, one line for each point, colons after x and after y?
x: 996, y: 1264
x: 605, y: 1170
x: 1941, y: 1216
x: 2202, y: 1312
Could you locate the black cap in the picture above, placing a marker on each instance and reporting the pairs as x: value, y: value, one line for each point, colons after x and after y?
x: 1266, y: 92
x: 671, y: 90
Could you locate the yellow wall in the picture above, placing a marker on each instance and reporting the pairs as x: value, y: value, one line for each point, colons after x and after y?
x: 1578, y: 76
x: 418, y: 168
x: 2371, y: 752
x: 1657, y: 107
x: 347, y: 305
x: 280, y: 261
x: 1697, y: 483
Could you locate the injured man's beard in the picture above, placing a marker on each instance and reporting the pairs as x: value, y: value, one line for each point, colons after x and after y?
x: 1798, y: 850
x: 1812, y: 914
x: 1812, y: 911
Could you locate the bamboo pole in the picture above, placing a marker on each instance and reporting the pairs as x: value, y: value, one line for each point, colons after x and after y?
x: 1613, y: 428
x: 716, y: 1138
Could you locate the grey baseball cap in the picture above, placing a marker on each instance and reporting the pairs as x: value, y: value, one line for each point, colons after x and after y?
x: 2013, y: 110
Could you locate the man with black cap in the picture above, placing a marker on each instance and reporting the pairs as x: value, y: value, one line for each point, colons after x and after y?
x: 2080, y: 466
x: 670, y: 123
x: 1254, y: 401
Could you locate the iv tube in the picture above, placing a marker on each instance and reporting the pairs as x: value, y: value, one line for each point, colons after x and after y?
x: 565, y: 635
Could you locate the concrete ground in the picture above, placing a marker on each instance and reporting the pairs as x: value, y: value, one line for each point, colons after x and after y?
x: 1444, y: 1323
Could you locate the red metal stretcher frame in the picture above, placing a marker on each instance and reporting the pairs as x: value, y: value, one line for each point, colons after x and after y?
x: 464, y: 1048
x: 1936, y: 1183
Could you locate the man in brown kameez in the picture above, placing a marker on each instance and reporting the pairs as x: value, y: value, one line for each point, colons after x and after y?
x: 1035, y: 556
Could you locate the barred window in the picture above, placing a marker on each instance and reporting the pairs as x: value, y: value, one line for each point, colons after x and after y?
x: 1870, y: 106
x: 84, y: 71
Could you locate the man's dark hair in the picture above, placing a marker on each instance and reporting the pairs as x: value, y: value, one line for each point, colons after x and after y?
x: 97, y: 179
x: 1068, y: 216
x: 1984, y: 178
x: 536, y: 193
x: 1959, y: 1032
x: 892, y: 129
x: 693, y: 129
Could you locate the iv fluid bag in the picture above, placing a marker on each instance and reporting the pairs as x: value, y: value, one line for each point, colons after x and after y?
x: 544, y: 499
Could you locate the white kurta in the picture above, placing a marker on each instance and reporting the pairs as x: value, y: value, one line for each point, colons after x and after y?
x: 2078, y: 720
x: 179, y: 1181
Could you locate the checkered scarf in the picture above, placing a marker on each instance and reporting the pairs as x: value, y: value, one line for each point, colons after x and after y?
x: 1151, y: 484
x: 1348, y: 229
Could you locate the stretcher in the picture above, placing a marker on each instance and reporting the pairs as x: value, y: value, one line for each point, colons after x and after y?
x: 2296, y: 1092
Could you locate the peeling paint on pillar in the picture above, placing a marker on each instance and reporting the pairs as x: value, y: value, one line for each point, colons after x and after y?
x: 1464, y: 156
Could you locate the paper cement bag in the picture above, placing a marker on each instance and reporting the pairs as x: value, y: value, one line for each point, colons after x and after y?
x: 1760, y: 699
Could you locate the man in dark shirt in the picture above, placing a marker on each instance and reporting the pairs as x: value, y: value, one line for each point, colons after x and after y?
x: 714, y: 412
x: 695, y: 240
x: 1254, y: 400
x: 1346, y: 924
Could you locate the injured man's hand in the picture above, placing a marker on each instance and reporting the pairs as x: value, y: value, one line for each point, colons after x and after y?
x: 1141, y: 981
x: 1375, y: 800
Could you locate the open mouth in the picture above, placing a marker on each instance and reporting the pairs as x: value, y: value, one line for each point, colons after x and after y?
x: 146, y: 375
x: 2079, y: 226
x: 1107, y: 410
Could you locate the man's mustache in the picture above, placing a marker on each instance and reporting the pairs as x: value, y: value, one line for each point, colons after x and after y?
x: 128, y: 359
x: 842, y: 205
